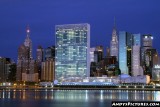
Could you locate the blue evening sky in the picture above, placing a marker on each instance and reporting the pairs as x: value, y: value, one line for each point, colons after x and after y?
x: 135, y: 16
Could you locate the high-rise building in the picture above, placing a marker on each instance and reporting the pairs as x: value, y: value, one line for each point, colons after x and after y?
x: 136, y: 60
x: 50, y: 52
x: 40, y: 52
x: 99, y: 53
x: 125, y: 51
x: 114, y: 43
x: 26, y: 66
x: 4, y: 68
x: 22, y: 55
x: 156, y: 73
x: 48, y: 70
x: 92, y: 56
x: 151, y: 59
x: 107, y: 51
x: 39, y: 59
x: 137, y: 39
x: 72, y: 51
x: 28, y: 43
x: 48, y: 66
x: 146, y: 44
x: 136, y: 55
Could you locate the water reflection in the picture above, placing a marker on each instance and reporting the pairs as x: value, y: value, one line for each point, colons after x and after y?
x: 81, y: 95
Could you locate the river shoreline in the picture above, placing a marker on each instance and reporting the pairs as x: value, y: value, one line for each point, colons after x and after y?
x: 73, y: 88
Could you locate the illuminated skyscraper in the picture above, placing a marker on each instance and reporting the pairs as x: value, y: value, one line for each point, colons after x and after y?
x: 26, y: 66
x: 114, y: 43
x: 107, y: 51
x: 28, y: 43
x: 48, y: 66
x: 151, y: 59
x: 72, y: 51
x: 125, y: 51
x: 39, y: 54
x: 39, y: 59
x: 48, y: 70
x: 136, y: 68
x: 92, y: 56
x: 146, y: 44
x: 99, y: 53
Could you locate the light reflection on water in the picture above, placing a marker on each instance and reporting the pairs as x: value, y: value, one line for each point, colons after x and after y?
x: 86, y: 95
x: 76, y: 96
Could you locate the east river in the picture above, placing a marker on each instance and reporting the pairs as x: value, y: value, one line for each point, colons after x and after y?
x: 72, y: 98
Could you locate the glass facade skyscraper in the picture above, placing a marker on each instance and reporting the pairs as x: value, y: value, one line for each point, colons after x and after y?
x: 72, y: 51
x: 125, y: 50
x: 137, y: 39
x: 122, y: 53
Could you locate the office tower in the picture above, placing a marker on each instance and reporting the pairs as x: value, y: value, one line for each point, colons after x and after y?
x: 93, y: 69
x: 99, y: 53
x: 50, y: 52
x: 12, y: 72
x: 156, y: 73
x: 114, y: 43
x: 48, y: 66
x: 31, y: 73
x: 146, y: 44
x: 4, y: 69
x: 26, y: 66
x: 151, y: 59
x: 136, y: 55
x: 48, y: 70
x: 107, y: 51
x: 125, y: 51
x: 39, y: 59
x: 107, y: 66
x: 137, y: 39
x: 72, y: 58
x: 136, y: 60
x: 92, y: 56
x: 22, y: 55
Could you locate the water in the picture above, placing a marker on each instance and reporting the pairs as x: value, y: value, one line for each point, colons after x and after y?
x: 72, y: 98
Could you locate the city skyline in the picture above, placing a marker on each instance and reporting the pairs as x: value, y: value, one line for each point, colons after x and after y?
x: 43, y: 16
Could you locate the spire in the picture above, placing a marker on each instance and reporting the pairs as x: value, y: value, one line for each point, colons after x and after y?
x: 114, y: 22
x: 114, y: 32
x: 27, y: 40
x: 28, y: 31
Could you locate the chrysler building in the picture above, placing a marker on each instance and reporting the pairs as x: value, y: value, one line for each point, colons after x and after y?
x: 114, y: 42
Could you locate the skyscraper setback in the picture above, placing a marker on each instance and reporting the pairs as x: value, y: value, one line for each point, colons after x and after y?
x: 72, y: 51
x: 26, y: 66
x: 28, y: 43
